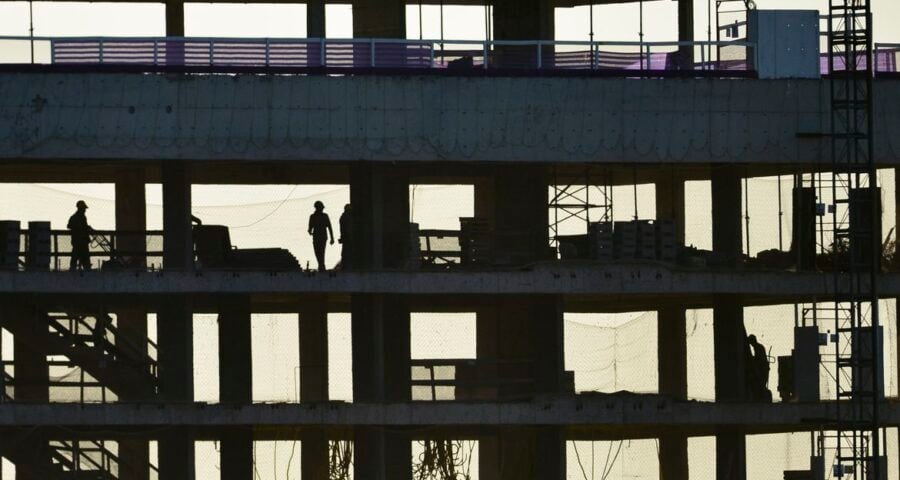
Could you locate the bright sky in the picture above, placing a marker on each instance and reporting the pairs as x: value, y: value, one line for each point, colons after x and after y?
x: 610, y: 22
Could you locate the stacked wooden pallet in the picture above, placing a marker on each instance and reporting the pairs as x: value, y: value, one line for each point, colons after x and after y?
x: 475, y: 240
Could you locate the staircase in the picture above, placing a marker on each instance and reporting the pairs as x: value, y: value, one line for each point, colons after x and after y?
x: 73, y: 460
x: 96, y: 346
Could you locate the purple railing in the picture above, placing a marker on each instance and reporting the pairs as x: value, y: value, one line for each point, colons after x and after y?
x: 225, y: 53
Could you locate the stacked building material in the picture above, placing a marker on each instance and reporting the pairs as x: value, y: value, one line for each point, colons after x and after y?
x: 38, y: 256
x: 9, y: 244
x: 474, y: 240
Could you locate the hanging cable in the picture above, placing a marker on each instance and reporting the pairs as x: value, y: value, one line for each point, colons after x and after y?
x: 286, y: 198
x: 441, y: 6
x: 31, y: 27
x: 641, y: 31
x: 591, y: 32
x: 420, y: 19
x: 747, y: 213
x: 780, y: 218
x: 634, y: 181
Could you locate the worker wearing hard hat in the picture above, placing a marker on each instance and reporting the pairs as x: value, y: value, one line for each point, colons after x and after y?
x: 81, y: 238
x: 320, y: 229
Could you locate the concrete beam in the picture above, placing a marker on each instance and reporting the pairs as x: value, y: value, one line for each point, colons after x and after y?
x: 618, y: 413
x: 651, y: 283
x: 718, y: 120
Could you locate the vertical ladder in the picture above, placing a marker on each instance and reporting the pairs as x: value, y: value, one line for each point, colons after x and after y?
x: 857, y: 437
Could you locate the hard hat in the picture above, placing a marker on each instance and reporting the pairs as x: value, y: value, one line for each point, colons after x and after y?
x: 319, y: 204
x: 81, y: 204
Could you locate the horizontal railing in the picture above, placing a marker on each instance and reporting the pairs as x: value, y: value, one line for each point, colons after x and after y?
x: 887, y: 57
x: 470, y: 379
x: 360, y: 54
x: 107, y: 249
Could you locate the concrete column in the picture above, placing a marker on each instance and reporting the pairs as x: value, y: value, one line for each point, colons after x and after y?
x: 515, y: 204
x: 236, y: 384
x: 380, y: 323
x: 379, y: 19
x: 671, y: 336
x: 523, y: 20
x: 176, y: 383
x: 31, y: 378
x: 174, y: 18
x: 314, y: 383
x: 315, y: 18
x: 726, y: 215
x: 729, y: 336
x: 131, y: 218
x: 30, y: 349
x: 380, y: 199
x: 381, y: 373
x: 178, y: 248
x: 517, y: 338
x: 686, y: 32
x: 174, y: 316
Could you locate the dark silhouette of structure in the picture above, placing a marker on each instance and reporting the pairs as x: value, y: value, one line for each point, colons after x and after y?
x: 758, y: 371
x: 346, y: 239
x: 81, y: 237
x: 320, y: 229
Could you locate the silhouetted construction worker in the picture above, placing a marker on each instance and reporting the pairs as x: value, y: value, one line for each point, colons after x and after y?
x: 81, y: 238
x: 758, y: 371
x: 320, y: 229
x: 346, y: 239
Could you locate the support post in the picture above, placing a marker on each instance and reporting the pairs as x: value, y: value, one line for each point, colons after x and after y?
x: 31, y: 383
x: 523, y: 20
x: 131, y: 322
x: 729, y: 335
x: 686, y: 33
x: 314, y: 463
x: 515, y: 205
x: 381, y: 373
x: 315, y: 18
x: 174, y: 18
x: 380, y: 323
x: 178, y: 248
x: 236, y: 384
x: 520, y: 344
x: 379, y: 19
x: 672, y: 336
x: 176, y: 383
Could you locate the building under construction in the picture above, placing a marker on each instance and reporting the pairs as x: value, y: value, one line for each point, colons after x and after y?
x: 543, y: 132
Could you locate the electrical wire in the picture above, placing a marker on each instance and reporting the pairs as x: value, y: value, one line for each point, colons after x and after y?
x: 286, y: 198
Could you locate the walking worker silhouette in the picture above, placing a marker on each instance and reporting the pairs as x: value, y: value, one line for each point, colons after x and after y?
x: 320, y: 229
x: 81, y: 238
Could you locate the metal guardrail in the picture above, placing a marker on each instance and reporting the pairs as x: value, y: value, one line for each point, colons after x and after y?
x: 887, y: 57
x: 108, y: 249
x: 451, y: 379
x: 373, y: 53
